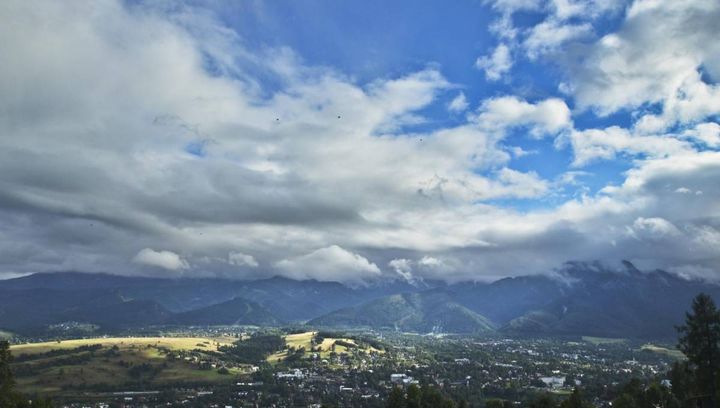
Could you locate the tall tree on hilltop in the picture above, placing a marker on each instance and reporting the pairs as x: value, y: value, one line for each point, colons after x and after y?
x: 7, y: 383
x: 700, y: 341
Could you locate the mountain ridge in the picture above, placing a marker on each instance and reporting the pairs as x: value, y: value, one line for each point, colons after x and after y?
x: 586, y: 298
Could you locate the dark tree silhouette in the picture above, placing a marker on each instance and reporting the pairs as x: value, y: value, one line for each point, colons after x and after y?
x: 700, y: 341
x: 396, y: 398
x: 575, y: 401
x: 7, y: 384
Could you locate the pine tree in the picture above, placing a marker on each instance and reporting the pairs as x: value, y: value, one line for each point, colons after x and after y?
x: 414, y: 396
x: 700, y: 341
x: 575, y: 401
x: 7, y: 383
x: 396, y: 398
x: 544, y: 401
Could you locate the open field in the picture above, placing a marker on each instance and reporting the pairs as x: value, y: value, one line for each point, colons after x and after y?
x: 53, y: 367
x: 602, y: 340
x: 327, y: 346
x: 674, y: 353
x: 172, y: 343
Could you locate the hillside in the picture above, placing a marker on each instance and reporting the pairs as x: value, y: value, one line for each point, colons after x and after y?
x: 419, y: 312
x: 233, y: 312
x: 31, y: 309
x: 128, y: 362
x: 287, y: 299
x: 625, y: 303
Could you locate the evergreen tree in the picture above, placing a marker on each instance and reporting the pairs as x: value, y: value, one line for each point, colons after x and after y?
x: 575, y: 401
x: 396, y: 398
x: 544, y: 401
x: 414, y: 397
x: 681, y: 378
x: 700, y: 341
x: 7, y: 383
x: 431, y: 397
x: 624, y: 401
x: 497, y: 403
x: 9, y: 398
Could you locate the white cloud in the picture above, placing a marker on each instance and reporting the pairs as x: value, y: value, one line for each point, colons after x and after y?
x: 595, y: 144
x: 240, y: 259
x: 654, y: 228
x: 430, y: 262
x: 567, y: 9
x: 706, y: 133
x: 161, y: 259
x: 497, y: 64
x: 654, y: 57
x: 549, y: 35
x: 512, y: 6
x: 458, y: 104
x: 402, y: 267
x: 331, y: 263
x: 544, y: 117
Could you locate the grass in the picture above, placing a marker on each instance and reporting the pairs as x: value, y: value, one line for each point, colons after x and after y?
x: 300, y: 339
x: 671, y: 352
x: 602, y: 340
x: 53, y: 375
x: 172, y: 343
x: 305, y: 340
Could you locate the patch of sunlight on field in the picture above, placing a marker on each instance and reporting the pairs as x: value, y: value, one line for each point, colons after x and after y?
x: 602, y: 340
x: 300, y: 339
x: 172, y: 343
x: 674, y: 353
x: 104, y: 367
x: 326, y: 346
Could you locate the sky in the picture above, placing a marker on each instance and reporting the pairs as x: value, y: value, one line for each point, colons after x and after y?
x: 358, y: 141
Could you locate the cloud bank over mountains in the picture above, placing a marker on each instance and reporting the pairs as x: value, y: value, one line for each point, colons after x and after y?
x: 152, y: 139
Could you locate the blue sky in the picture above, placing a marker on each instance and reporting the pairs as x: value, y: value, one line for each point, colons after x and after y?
x: 377, y: 39
x: 359, y: 141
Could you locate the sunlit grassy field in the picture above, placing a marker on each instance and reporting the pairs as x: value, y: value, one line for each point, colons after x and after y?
x: 305, y: 340
x: 110, y: 366
x: 602, y: 340
x: 172, y: 343
x: 674, y: 353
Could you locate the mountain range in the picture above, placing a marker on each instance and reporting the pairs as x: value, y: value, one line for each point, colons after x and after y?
x: 578, y: 299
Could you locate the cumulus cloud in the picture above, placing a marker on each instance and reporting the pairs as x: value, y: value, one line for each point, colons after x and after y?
x: 161, y: 259
x: 458, y: 104
x: 655, y: 57
x: 654, y: 229
x: 496, y: 64
x: 548, y: 36
x: 402, y: 267
x: 544, y: 117
x: 332, y: 263
x: 594, y: 144
x: 706, y: 133
x: 240, y: 259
